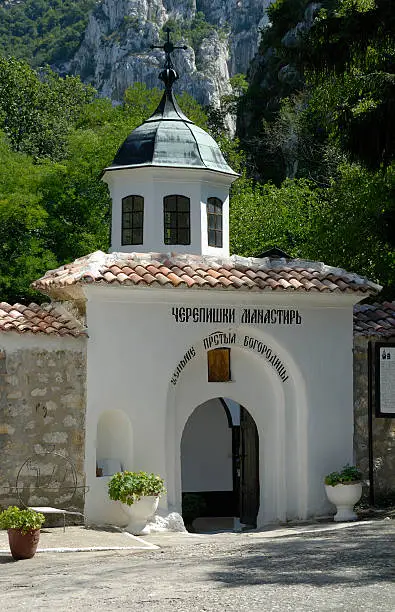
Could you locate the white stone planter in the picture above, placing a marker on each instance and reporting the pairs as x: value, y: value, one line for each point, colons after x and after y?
x: 139, y: 513
x: 344, y: 497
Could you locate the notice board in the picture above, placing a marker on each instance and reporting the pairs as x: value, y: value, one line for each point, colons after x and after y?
x: 385, y: 379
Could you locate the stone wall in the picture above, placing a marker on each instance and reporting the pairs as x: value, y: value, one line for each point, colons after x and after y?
x: 42, y: 421
x: 383, y: 428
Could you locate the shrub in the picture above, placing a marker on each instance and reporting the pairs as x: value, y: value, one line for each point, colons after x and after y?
x: 129, y: 487
x: 25, y: 520
x: 348, y: 475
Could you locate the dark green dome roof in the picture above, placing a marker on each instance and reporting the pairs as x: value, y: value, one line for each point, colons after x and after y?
x: 169, y: 139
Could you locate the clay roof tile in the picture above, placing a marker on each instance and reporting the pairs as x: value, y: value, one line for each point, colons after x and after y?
x: 38, y: 319
x: 263, y: 274
x: 375, y: 319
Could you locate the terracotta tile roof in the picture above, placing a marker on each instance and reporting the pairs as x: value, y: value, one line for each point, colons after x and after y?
x: 369, y: 320
x: 47, y: 319
x: 204, y: 272
x: 374, y: 319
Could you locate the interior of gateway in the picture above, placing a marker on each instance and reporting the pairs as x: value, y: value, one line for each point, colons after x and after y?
x: 220, y: 467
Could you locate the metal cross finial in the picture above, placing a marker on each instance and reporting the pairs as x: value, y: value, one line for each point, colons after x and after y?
x: 168, y: 48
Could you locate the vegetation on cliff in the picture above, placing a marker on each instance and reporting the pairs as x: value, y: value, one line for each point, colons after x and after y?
x: 318, y: 120
x: 43, y: 31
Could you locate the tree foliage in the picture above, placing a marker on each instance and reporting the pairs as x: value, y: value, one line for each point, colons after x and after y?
x: 43, y: 31
x: 325, y: 127
x: 349, y: 225
x: 349, y: 60
x: 334, y: 63
x: 24, y: 254
x: 56, y: 141
x: 37, y: 109
x: 318, y: 120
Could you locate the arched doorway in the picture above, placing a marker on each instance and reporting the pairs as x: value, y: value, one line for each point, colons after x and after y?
x: 220, y: 464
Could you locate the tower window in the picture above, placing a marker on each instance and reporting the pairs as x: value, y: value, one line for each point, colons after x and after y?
x: 214, y: 222
x: 177, y: 219
x: 132, y: 220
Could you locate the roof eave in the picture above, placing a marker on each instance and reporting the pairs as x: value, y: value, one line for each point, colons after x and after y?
x: 232, y: 173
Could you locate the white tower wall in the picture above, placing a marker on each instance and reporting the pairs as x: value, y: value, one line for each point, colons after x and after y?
x: 153, y: 184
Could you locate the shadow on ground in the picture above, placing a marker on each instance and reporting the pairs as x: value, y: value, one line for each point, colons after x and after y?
x: 199, y: 573
x: 347, y: 557
x: 6, y: 559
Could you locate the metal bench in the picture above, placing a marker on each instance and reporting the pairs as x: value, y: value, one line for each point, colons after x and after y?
x: 49, y: 510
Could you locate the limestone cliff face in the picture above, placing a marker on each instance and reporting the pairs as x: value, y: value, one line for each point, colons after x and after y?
x: 115, y: 51
x: 243, y: 19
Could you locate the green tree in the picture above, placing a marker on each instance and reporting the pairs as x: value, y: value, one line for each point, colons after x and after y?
x: 24, y: 254
x: 334, y: 64
x: 38, y: 109
x: 264, y: 216
x: 349, y: 224
x: 348, y: 57
x: 43, y: 31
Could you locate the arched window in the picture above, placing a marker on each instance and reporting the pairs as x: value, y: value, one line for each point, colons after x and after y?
x: 214, y: 222
x: 132, y: 219
x: 177, y: 217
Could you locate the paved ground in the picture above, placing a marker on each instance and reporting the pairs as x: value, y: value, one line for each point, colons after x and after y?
x: 317, y: 568
x: 75, y: 539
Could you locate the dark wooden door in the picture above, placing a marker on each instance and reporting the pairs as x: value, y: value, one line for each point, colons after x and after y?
x: 249, y: 469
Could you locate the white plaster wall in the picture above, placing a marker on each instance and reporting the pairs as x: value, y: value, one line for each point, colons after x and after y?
x: 156, y: 183
x: 114, y: 442
x: 305, y: 425
x: 206, y: 450
x: 256, y: 389
x: 12, y: 341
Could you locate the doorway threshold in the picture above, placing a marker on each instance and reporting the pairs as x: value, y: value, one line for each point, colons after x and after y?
x: 217, y: 524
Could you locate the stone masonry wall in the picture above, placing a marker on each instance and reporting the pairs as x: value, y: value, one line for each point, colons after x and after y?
x: 42, y: 425
x: 383, y: 429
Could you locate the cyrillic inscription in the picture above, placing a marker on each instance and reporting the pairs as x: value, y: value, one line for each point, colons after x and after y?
x: 271, y: 316
x: 219, y: 339
x: 260, y: 347
x: 232, y: 315
x: 197, y: 314
x: 181, y: 365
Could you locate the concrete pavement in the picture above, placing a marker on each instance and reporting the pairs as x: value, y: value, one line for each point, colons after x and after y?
x: 81, y: 539
x: 306, y: 568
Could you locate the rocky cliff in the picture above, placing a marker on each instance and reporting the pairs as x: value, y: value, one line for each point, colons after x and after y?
x: 222, y: 38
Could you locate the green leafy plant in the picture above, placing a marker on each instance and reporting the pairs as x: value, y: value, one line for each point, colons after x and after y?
x: 129, y: 487
x: 26, y: 520
x: 348, y: 475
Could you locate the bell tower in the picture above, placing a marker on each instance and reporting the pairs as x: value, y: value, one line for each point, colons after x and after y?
x: 169, y: 183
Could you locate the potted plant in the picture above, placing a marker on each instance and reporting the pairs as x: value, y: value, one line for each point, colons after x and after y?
x: 23, y: 530
x: 344, y: 489
x: 139, y: 494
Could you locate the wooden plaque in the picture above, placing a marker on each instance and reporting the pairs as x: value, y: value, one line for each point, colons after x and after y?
x: 218, y: 363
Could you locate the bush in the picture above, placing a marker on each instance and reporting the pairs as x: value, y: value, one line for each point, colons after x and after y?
x: 129, y: 487
x: 25, y: 520
x: 348, y: 475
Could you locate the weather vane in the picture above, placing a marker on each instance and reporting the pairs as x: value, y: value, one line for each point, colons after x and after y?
x: 168, y: 74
